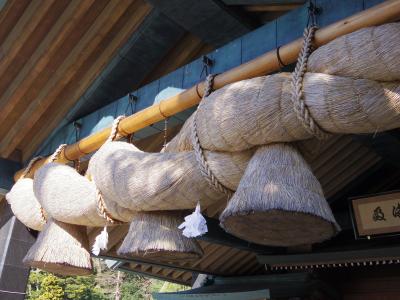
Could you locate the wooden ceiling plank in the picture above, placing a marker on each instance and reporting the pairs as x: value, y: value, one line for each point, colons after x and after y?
x: 318, y: 164
x: 9, y: 16
x: 25, y: 37
x: 102, y: 24
x: 235, y: 260
x: 240, y: 264
x: 215, y: 258
x: 340, y: 158
x: 210, y: 248
x: 343, y: 162
x: 229, y: 255
x: 191, y: 263
x: 46, y: 59
x: 187, y: 277
x: 65, y: 98
x: 137, y: 269
x: 351, y: 172
x: 250, y: 268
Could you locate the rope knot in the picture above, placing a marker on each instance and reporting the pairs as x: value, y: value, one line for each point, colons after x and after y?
x: 299, y: 105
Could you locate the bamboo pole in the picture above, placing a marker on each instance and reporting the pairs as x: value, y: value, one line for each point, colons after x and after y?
x: 385, y: 12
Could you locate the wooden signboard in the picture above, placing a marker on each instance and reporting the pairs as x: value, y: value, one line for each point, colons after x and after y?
x: 377, y: 215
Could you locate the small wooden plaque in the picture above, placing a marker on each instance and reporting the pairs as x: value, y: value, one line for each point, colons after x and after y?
x: 377, y: 215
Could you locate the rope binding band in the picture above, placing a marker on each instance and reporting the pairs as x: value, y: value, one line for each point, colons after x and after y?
x: 198, y: 150
x: 24, y: 174
x: 101, y: 206
x: 299, y: 105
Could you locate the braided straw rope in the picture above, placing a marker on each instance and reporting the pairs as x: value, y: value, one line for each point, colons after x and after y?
x: 57, y: 153
x: 299, y: 105
x: 198, y: 150
x: 30, y: 165
x: 25, y: 173
x: 53, y: 158
x: 114, y: 129
x: 101, y: 206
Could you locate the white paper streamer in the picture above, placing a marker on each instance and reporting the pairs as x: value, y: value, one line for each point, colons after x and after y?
x: 100, y: 242
x: 195, y: 224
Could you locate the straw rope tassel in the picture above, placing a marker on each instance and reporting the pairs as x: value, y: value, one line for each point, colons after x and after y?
x: 101, y: 240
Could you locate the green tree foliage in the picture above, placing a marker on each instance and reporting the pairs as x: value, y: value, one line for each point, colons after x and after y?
x: 47, y: 286
x: 101, y: 285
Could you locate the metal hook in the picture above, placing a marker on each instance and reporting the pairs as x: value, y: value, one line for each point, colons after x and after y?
x: 207, y: 64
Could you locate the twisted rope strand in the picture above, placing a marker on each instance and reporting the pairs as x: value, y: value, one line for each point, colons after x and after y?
x: 57, y: 153
x: 101, y: 206
x: 299, y: 105
x: 53, y: 158
x: 26, y: 172
x: 101, y: 209
x: 114, y: 129
x: 30, y: 165
x: 198, y: 150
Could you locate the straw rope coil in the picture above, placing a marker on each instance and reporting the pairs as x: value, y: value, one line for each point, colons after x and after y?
x: 260, y: 111
x: 369, y: 53
x: 72, y: 198
x: 158, y: 181
x: 23, y: 202
x: 199, y: 152
x: 101, y: 204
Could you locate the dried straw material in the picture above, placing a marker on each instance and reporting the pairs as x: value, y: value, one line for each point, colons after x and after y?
x: 181, y: 142
x: 143, y: 181
x: 260, y: 111
x: 25, y: 206
x: 370, y: 53
x: 69, y: 197
x: 155, y: 235
x: 279, y: 201
x: 62, y: 249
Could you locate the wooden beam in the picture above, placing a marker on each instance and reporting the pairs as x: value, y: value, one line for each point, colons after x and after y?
x: 385, y: 12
